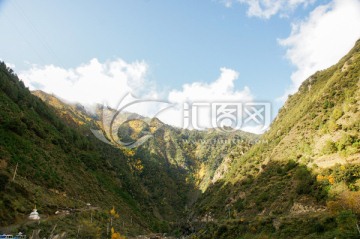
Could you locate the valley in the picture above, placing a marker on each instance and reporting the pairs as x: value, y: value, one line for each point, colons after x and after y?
x: 300, y: 179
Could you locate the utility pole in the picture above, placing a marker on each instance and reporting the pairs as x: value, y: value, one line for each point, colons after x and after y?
x: 52, y: 232
x: 107, y: 229
x: 77, y: 236
x: 15, y: 171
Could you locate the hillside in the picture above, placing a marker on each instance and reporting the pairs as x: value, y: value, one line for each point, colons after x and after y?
x: 60, y: 166
x: 302, y: 179
x: 186, y: 149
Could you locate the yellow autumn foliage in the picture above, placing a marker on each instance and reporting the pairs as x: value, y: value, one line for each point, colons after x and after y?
x: 116, y: 235
x: 129, y: 152
x: 113, y: 213
x: 321, y: 178
x: 331, y: 179
x: 139, y: 166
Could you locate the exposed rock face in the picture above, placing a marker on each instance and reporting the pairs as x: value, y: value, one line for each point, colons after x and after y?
x: 299, y: 208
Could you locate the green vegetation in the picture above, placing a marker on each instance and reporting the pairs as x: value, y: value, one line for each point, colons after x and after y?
x: 301, y: 179
x: 61, y: 165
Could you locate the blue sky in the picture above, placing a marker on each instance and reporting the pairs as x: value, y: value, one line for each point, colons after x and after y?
x: 162, y: 46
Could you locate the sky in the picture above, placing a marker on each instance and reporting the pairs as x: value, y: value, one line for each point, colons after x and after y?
x: 175, y: 51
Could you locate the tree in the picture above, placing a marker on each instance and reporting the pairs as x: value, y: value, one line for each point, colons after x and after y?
x: 113, y: 214
x: 114, y: 234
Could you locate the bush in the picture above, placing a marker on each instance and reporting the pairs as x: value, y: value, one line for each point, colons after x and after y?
x: 347, y: 221
x: 337, y: 113
x: 333, y: 126
x: 307, y: 183
x: 345, y: 140
x: 329, y: 147
x: 290, y: 165
x: 328, y: 104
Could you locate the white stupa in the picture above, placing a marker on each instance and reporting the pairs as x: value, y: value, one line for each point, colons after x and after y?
x: 34, y: 215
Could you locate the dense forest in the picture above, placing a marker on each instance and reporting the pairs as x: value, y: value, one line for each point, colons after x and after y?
x: 301, y: 179
x: 50, y: 158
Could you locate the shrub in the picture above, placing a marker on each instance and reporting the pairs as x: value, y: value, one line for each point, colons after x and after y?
x: 290, y: 165
x: 346, y: 221
x: 333, y: 126
x: 329, y: 147
x: 328, y: 104
x: 337, y: 113
x: 345, y: 140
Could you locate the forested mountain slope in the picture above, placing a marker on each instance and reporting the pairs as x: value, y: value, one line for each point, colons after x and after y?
x: 302, y: 178
x: 61, y: 167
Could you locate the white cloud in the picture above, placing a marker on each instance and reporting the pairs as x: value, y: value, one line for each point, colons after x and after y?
x: 268, y: 8
x: 91, y: 83
x: 96, y: 82
x: 221, y: 90
x: 322, y: 39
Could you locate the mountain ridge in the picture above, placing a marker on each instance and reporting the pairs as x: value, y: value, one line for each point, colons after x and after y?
x: 141, y: 180
x: 301, y: 179
x: 298, y: 167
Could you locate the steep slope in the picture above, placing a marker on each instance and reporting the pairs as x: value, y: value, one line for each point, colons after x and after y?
x: 157, y: 175
x: 61, y: 167
x: 293, y: 181
x: 203, y: 155
x: 72, y: 114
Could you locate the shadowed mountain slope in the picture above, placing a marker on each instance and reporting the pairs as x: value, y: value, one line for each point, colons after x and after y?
x: 302, y: 178
x: 74, y: 179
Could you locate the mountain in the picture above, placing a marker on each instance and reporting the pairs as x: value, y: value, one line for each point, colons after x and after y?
x: 50, y: 159
x: 302, y: 178
x: 202, y: 156
x: 185, y: 149
x: 59, y: 166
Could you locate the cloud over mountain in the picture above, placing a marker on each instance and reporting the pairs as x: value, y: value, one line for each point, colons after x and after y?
x: 322, y: 39
x: 108, y: 82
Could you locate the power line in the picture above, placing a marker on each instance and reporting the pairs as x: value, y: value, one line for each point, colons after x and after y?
x: 37, y: 33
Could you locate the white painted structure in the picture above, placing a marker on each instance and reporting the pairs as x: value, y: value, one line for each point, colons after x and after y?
x: 34, y: 215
